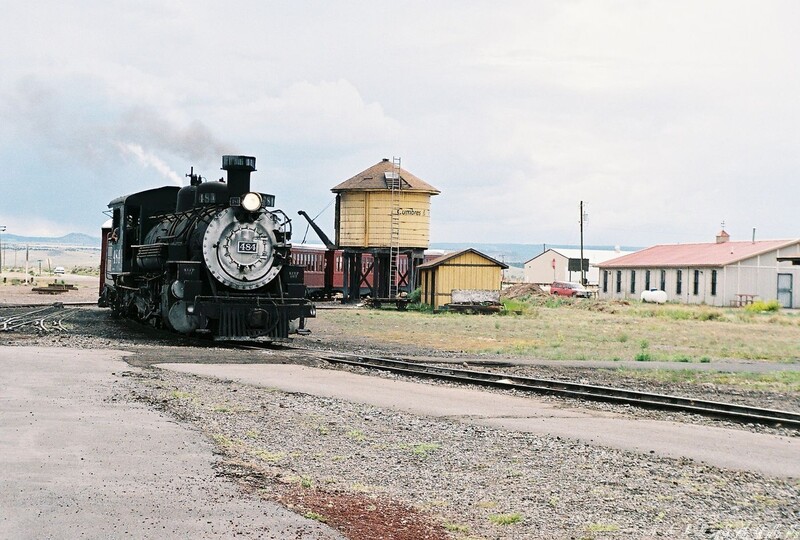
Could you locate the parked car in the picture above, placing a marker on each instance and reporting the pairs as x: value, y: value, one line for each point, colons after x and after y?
x: 569, y: 288
x: 59, y: 270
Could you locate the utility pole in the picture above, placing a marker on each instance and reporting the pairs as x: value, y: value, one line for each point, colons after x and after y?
x: 583, y: 268
x: 2, y: 228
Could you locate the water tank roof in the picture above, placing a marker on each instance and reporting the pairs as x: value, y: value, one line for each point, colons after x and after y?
x: 375, y: 179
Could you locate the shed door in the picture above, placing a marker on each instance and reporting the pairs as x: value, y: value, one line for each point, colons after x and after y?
x: 785, y: 290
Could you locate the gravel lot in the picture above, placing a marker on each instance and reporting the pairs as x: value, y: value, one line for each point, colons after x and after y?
x: 373, y: 473
x: 474, y: 482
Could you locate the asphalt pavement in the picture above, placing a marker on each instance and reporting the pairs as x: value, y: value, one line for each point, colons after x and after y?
x: 78, y: 460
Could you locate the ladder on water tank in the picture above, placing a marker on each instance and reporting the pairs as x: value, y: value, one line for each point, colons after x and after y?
x: 394, y: 241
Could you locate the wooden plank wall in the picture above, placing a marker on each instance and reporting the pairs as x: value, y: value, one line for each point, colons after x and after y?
x: 467, y: 271
x: 365, y: 219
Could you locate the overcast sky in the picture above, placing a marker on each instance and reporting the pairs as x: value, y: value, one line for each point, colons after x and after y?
x: 665, y: 117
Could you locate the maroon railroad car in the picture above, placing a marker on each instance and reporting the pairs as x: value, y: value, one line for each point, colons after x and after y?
x: 312, y: 257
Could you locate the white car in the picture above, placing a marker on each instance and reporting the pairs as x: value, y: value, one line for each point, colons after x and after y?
x: 59, y: 270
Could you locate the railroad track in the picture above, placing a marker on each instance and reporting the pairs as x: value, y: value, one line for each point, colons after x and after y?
x: 43, y: 318
x: 713, y: 409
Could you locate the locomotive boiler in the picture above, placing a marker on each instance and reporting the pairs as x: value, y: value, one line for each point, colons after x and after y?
x: 208, y: 258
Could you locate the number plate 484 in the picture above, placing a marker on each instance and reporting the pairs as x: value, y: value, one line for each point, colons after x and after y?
x: 247, y: 247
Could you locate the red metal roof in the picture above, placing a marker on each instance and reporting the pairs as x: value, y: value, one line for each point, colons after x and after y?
x: 705, y: 254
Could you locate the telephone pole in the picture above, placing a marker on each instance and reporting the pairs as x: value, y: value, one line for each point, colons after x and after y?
x: 583, y: 267
x: 2, y: 228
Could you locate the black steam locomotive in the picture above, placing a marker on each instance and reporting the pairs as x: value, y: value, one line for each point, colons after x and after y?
x: 207, y: 258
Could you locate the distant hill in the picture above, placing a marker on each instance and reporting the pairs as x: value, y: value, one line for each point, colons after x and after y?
x: 71, y: 239
x: 518, y: 254
x: 511, y: 254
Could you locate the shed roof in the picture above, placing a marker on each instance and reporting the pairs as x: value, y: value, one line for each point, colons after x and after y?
x: 374, y: 179
x: 450, y: 256
x: 702, y: 254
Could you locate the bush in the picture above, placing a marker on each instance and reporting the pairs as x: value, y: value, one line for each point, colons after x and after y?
x: 513, y: 307
x: 422, y: 308
x: 415, y: 296
x: 760, y: 306
x: 709, y: 316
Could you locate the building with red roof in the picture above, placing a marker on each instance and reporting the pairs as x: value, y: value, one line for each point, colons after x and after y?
x: 720, y: 273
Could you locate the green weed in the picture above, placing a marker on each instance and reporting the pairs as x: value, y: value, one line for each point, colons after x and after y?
x: 222, y: 440
x: 602, y: 527
x: 266, y: 455
x: 356, y: 435
x: 423, y: 449
x: 505, y: 519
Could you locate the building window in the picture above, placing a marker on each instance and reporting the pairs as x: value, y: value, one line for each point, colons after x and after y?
x: 679, y: 282
x: 696, y: 283
x: 605, y: 281
x: 633, y: 281
x: 619, y: 281
x: 647, y: 280
x: 664, y: 280
x: 713, y: 283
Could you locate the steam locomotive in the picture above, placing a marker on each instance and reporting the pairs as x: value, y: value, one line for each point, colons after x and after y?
x: 207, y: 258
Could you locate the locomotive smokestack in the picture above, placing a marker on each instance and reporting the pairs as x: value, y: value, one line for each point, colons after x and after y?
x: 239, y: 169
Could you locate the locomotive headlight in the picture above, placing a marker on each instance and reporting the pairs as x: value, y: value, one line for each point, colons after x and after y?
x: 251, y: 201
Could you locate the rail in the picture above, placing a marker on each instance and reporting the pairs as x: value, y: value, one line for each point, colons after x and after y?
x: 714, y: 409
x: 43, y: 317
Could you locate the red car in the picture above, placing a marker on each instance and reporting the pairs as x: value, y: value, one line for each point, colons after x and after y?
x: 569, y: 288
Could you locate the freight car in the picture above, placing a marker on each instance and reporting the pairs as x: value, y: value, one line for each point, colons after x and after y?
x: 315, y: 259
x: 208, y: 258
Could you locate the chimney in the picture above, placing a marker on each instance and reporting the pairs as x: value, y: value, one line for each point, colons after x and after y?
x: 722, y: 237
x: 239, y: 169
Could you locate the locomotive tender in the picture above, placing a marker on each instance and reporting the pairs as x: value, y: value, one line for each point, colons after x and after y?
x: 207, y: 258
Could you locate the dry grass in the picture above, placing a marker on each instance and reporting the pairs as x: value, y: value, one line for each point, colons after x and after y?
x: 591, y: 330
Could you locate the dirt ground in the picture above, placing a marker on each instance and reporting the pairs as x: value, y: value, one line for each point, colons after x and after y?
x: 86, y: 289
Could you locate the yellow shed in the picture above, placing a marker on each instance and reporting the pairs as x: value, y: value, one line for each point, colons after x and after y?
x: 365, y: 208
x: 463, y: 270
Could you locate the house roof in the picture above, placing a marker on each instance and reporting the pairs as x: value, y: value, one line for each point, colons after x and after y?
x: 374, y: 179
x: 449, y: 256
x: 595, y: 256
x: 704, y: 254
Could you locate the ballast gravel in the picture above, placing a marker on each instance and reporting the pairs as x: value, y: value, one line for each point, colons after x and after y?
x: 464, y: 481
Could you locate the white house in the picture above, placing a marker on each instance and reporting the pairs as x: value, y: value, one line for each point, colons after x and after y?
x: 553, y: 265
x: 721, y: 273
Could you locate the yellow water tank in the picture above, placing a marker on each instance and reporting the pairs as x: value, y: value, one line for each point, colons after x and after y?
x: 366, y: 203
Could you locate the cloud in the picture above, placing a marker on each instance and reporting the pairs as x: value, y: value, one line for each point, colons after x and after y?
x: 665, y: 118
x: 323, y: 114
